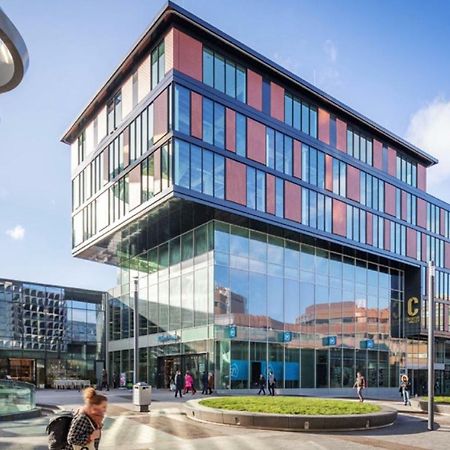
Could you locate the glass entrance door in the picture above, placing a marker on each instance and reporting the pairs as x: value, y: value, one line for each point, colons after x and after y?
x: 196, y: 364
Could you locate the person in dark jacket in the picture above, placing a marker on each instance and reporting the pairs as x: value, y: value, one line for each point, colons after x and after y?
x: 179, y: 384
x: 105, y: 383
x: 205, y: 383
x: 262, y: 384
x: 210, y: 383
x: 405, y: 390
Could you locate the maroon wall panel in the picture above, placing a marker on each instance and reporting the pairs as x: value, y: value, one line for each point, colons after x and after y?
x: 404, y: 209
x: 188, y: 55
x: 411, y: 243
x: 447, y: 255
x: 377, y: 154
x: 292, y: 201
x: 387, y: 234
x: 421, y: 213
x: 369, y: 229
x: 196, y: 115
x: 424, y: 247
x: 389, y: 199
x: 256, y: 141
x: 276, y: 101
x: 270, y: 194
x: 339, y: 217
x: 254, y: 89
x: 160, y: 115
x: 353, y: 183
x: 236, y: 182
x: 421, y: 177
x: 297, y: 170
x: 341, y: 135
x: 230, y: 137
x: 328, y: 172
x: 324, y: 126
x: 392, y: 162
x: 126, y: 146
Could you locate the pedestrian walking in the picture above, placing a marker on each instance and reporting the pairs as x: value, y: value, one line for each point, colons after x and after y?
x: 205, y: 383
x: 210, y: 382
x: 360, y: 384
x: 271, y: 381
x: 85, y: 429
x: 189, y: 383
x: 115, y: 380
x: 405, y: 390
x: 262, y: 384
x: 105, y: 384
x: 178, y: 384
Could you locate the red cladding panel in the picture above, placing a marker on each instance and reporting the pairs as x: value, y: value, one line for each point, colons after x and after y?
x: 160, y: 115
x: 377, y: 154
x: 196, y: 115
x: 421, y: 213
x: 230, y: 130
x: 353, y: 183
x: 341, y: 135
x: 188, y: 55
x: 421, y: 177
x: 297, y: 159
x: 324, y: 126
x: 389, y: 199
x: 447, y: 255
x: 328, y: 172
x: 424, y: 247
x: 270, y: 194
x: 254, y: 89
x: 276, y: 101
x: 404, y: 209
x: 387, y: 234
x: 236, y: 182
x: 339, y: 217
x: 126, y: 146
x: 292, y: 201
x: 392, y: 162
x: 256, y: 141
x: 369, y: 229
x: 411, y: 243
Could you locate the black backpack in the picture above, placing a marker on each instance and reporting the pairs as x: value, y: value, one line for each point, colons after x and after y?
x: 58, y: 429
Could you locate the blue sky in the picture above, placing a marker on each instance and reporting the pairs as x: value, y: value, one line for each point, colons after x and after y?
x: 387, y: 59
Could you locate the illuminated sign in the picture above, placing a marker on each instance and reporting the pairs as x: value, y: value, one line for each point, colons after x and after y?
x: 413, y: 310
x: 329, y: 341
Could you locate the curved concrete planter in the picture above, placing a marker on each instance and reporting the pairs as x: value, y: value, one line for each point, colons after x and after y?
x: 440, y: 408
x: 32, y: 413
x: 287, y: 422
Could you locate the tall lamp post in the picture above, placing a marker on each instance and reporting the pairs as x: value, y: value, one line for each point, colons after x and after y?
x: 136, y: 330
x: 431, y: 319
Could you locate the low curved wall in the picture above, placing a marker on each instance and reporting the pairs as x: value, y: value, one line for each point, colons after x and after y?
x: 440, y: 408
x: 17, y: 399
x: 286, y: 422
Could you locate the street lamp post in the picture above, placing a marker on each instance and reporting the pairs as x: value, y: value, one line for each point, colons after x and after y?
x: 431, y: 325
x: 136, y: 330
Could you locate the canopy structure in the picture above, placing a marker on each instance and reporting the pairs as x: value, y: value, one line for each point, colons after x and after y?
x: 13, y: 55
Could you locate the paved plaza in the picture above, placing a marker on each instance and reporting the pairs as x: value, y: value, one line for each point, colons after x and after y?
x: 167, y: 428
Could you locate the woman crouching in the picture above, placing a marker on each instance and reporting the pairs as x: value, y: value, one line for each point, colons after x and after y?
x: 85, y: 429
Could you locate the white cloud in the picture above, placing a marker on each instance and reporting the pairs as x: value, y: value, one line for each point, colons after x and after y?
x: 429, y: 129
x: 17, y: 233
x: 330, y: 49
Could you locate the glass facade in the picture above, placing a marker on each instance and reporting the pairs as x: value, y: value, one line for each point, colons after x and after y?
x: 50, y: 329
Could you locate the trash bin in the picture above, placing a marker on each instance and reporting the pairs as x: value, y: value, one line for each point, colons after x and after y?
x: 142, y: 396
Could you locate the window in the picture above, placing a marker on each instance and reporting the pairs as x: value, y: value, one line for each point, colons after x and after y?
x: 219, y: 125
x: 398, y: 238
x: 182, y: 110
x: 241, y: 134
x: 81, y: 147
x: 224, y: 75
x: 158, y: 64
x: 339, y: 177
x: 147, y: 176
x: 270, y: 147
x: 279, y: 197
x: 251, y: 187
x: 256, y: 189
x: 359, y: 146
x: 114, y: 112
x: 208, y: 120
x: 406, y: 170
x: 313, y: 166
x: 372, y: 192
x: 181, y: 164
x: 356, y: 224
x: 300, y: 115
x: 433, y: 215
x: 219, y: 176
x: 316, y: 210
x: 378, y: 232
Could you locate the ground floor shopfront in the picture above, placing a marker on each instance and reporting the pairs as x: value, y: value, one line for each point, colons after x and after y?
x: 240, y: 302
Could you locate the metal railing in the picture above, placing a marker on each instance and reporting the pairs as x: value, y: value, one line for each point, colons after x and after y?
x: 16, y: 397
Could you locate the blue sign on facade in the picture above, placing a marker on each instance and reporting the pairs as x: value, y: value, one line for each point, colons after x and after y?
x: 329, y: 340
x: 286, y: 336
x: 367, y: 343
x: 232, y: 331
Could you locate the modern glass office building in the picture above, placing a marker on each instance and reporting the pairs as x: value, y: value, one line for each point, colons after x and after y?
x: 50, y: 332
x: 269, y: 226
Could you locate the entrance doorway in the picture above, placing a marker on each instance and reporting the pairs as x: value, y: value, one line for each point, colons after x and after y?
x: 22, y: 369
x: 196, y: 364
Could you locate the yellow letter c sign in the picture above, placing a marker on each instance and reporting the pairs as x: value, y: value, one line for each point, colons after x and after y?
x: 413, y: 306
